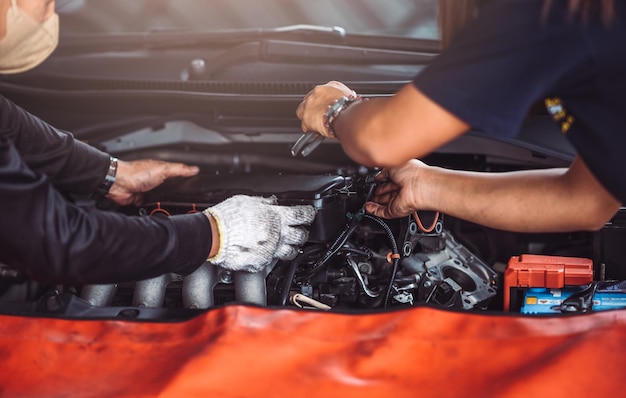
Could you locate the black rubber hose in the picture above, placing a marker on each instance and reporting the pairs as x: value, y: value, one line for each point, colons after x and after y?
x: 394, y: 247
x: 291, y: 271
x: 333, y: 249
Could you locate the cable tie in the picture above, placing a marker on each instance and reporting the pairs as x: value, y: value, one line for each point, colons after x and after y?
x: 391, y: 256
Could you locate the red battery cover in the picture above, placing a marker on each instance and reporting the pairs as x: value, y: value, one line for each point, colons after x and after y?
x: 531, y: 270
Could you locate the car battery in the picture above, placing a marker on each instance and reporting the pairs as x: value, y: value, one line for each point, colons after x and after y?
x: 609, y: 250
x: 538, y: 271
x: 598, y: 296
x: 327, y: 193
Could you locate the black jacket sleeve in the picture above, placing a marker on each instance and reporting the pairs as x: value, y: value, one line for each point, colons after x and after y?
x: 71, y: 165
x: 55, y: 241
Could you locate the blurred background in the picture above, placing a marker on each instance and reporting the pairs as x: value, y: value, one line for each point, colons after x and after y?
x: 409, y: 18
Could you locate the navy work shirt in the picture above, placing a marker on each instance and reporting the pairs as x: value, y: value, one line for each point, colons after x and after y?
x: 53, y: 240
x: 513, y: 55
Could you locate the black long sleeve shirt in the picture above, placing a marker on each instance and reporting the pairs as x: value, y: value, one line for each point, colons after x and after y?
x: 53, y: 240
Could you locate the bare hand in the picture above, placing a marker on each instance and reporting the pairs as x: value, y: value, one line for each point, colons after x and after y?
x: 398, y: 195
x: 315, y: 104
x: 138, y: 176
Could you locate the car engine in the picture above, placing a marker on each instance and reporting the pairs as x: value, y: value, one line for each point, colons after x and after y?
x: 353, y: 261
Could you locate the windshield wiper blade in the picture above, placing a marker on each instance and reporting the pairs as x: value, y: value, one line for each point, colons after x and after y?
x: 171, y: 37
x: 163, y: 39
x: 280, y: 51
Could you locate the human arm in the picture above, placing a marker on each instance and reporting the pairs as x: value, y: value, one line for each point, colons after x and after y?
x: 75, y: 167
x: 55, y: 241
x: 383, y: 132
x: 488, y: 79
x: 549, y: 200
x: 72, y: 166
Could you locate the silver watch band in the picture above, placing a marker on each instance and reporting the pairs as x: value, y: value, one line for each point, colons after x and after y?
x: 340, y: 105
x: 109, y: 179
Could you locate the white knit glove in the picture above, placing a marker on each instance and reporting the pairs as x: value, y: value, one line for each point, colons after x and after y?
x: 255, y: 230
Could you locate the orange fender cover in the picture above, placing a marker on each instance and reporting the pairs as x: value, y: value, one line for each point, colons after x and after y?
x: 244, y: 351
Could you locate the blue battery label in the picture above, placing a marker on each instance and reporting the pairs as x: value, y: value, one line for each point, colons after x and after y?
x: 548, y: 301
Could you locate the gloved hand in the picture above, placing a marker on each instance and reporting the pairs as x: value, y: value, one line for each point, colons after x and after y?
x: 255, y: 230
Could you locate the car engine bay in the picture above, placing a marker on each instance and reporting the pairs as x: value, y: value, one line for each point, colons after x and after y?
x: 353, y: 261
x: 240, y: 134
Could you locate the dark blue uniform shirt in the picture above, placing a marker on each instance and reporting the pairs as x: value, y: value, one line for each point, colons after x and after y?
x: 513, y: 55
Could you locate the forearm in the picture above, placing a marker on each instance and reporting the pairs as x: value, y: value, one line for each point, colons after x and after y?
x: 360, y: 130
x: 74, y: 246
x: 55, y: 241
x: 389, y: 131
x: 526, y: 201
x: 71, y: 165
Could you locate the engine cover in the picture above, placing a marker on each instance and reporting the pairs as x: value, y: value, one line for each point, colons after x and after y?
x: 327, y: 193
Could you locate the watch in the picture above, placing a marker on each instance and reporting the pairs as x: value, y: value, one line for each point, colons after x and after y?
x: 109, y: 179
x: 334, y: 110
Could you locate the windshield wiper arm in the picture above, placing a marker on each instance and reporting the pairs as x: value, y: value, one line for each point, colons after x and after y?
x: 170, y: 38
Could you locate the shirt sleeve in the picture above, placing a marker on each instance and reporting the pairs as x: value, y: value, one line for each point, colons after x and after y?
x: 505, y: 60
x: 71, y: 165
x: 54, y: 241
